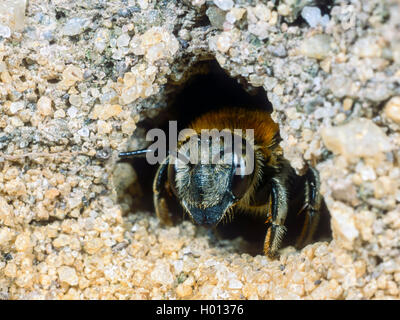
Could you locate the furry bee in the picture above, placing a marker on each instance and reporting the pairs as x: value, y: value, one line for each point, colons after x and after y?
x: 210, y: 193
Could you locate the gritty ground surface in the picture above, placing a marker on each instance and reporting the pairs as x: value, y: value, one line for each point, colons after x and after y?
x: 77, y: 78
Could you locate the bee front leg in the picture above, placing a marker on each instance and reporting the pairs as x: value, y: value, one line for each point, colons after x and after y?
x: 312, y: 205
x: 160, y: 193
x: 279, y: 208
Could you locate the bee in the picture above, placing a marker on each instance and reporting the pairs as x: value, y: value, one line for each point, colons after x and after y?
x: 213, y: 192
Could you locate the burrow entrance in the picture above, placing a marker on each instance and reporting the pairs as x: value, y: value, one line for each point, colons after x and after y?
x: 208, y: 87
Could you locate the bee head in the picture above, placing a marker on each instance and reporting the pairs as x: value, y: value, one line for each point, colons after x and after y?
x: 207, y: 190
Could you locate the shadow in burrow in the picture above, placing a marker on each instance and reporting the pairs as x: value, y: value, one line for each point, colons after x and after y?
x: 207, y: 90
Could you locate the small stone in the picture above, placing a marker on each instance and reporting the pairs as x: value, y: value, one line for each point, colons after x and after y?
x: 198, y: 3
x: 235, y: 284
x: 356, y: 139
x: 52, y: 193
x: 347, y: 104
x: 278, y: 51
x: 44, y: 106
x: 128, y: 126
x: 61, y: 241
x: 84, y: 132
x: 12, y: 14
x: 383, y: 186
x: 184, y: 291
x: 58, y: 114
x: 123, y: 40
x: 368, y: 47
x: 16, y: 106
x: 157, y: 43
x: 15, y: 188
x: 224, y: 42
x: 326, y: 64
x: 340, y: 86
x: 5, y: 31
x: 71, y: 75
x: 283, y: 10
x: 68, y: 275
x: 260, y: 29
x: 235, y: 14
x: 75, y: 100
x: 343, y: 225
x: 270, y: 83
x: 224, y: 4
x: 392, y: 109
x: 262, y: 12
x: 216, y: 17
x: 101, y: 39
x: 103, y: 127
x: 5, y: 77
x: 94, y: 245
x: 74, y: 26
x: 105, y: 112
x: 317, y: 46
x: 162, y: 274
x: 274, y: 18
x: 313, y: 16
x: 23, y: 242
x: 256, y: 81
x: 72, y: 112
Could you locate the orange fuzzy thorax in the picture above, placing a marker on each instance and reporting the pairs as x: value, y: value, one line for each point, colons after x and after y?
x: 260, y: 121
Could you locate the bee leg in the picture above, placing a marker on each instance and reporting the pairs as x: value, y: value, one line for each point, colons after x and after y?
x: 312, y: 204
x: 276, y: 230
x: 160, y: 193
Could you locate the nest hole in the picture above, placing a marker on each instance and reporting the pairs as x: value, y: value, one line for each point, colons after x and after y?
x: 202, y: 92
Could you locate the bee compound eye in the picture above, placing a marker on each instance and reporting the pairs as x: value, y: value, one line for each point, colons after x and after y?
x: 240, y: 185
x: 240, y: 180
x: 172, y: 178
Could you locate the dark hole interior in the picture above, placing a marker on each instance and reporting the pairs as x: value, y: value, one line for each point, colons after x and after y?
x: 200, y: 94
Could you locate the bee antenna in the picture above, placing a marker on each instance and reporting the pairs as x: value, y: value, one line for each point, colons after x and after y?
x: 132, y: 154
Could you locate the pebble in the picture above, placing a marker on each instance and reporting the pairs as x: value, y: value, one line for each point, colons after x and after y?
x: 44, y: 106
x: 5, y: 31
x: 105, y: 111
x: 71, y: 75
x: 317, y: 46
x: 72, y: 112
x: 224, y: 4
x: 75, y: 100
x: 12, y: 13
x: 157, y: 43
x: 16, y: 106
x: 313, y: 16
x: 224, y: 42
x: 262, y: 12
x: 216, y: 17
x: 23, y: 242
x: 123, y: 40
x: 101, y: 39
x: 162, y: 274
x: 74, y: 26
x: 368, y: 47
x: 84, y: 132
x: 52, y: 193
x: 392, y: 109
x: 183, y: 290
x: 356, y: 139
x: 68, y: 275
x: 103, y: 127
x: 343, y: 224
